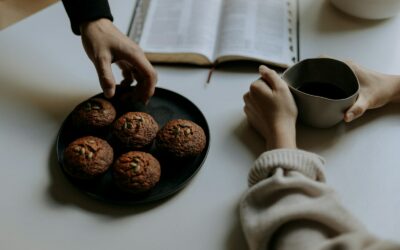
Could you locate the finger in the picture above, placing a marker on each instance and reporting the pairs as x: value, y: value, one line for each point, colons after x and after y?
x: 250, y: 105
x: 271, y: 77
x: 260, y: 93
x: 145, y: 85
x: 106, y: 77
x: 246, y: 110
x: 123, y: 65
x: 126, y: 73
x: 128, y: 78
x: 246, y: 98
x: 144, y: 73
x: 260, y: 87
x: 249, y: 114
x: 253, y: 120
x: 357, y: 110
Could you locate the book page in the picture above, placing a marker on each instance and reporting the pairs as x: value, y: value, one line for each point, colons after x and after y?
x: 258, y: 29
x: 181, y: 26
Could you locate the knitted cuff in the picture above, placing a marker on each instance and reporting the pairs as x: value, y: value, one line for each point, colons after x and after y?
x: 309, y: 164
x: 80, y: 11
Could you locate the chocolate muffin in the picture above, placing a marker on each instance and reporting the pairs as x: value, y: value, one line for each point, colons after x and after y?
x: 136, y: 172
x: 87, y: 157
x: 135, y: 130
x: 93, y: 114
x: 181, y: 138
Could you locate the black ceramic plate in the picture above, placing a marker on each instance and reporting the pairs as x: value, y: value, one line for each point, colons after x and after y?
x: 163, y: 106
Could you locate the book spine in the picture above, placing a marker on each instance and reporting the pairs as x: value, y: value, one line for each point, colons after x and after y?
x: 292, y: 9
x: 138, y: 19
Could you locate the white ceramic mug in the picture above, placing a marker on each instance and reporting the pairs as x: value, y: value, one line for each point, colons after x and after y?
x: 322, y: 107
x: 369, y: 9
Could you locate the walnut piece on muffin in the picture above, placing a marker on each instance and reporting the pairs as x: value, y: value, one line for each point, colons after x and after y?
x: 135, y: 130
x: 94, y: 114
x: 136, y: 172
x: 181, y: 138
x: 87, y: 157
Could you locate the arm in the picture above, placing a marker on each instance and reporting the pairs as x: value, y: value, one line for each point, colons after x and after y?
x: 271, y: 110
x: 105, y: 44
x: 288, y: 204
x: 80, y: 11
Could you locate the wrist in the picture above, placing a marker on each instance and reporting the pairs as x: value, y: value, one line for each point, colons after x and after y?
x: 282, y: 136
x: 98, y: 23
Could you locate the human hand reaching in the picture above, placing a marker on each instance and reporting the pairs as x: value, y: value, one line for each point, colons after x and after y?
x: 376, y: 90
x: 105, y: 44
x: 271, y: 110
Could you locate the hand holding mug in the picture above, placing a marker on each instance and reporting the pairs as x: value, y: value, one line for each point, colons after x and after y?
x: 271, y: 110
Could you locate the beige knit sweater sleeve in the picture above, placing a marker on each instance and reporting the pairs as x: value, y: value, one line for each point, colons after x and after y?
x: 289, y: 206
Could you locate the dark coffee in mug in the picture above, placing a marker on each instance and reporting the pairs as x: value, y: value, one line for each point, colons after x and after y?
x: 323, y: 89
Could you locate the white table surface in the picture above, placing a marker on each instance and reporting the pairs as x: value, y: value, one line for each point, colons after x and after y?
x: 44, y: 73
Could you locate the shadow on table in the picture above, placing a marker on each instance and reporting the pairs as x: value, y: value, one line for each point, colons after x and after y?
x: 62, y: 192
x: 317, y: 139
x: 239, y: 66
x: 55, y: 104
x: 250, y: 138
x: 390, y: 110
x: 307, y: 137
x: 235, y: 239
x: 314, y: 139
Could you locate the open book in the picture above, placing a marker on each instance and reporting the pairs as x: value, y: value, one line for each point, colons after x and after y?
x: 207, y: 32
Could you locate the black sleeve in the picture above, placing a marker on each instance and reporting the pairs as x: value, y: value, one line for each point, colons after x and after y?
x: 80, y: 11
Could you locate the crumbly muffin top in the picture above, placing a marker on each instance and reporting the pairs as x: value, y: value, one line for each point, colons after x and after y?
x: 136, y: 171
x: 135, y: 129
x: 95, y: 112
x: 181, y: 138
x: 87, y: 157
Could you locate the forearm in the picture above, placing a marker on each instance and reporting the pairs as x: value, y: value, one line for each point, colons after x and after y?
x: 288, y: 206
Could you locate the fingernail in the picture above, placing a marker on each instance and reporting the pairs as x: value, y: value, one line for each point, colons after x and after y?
x: 263, y: 68
x: 350, y: 116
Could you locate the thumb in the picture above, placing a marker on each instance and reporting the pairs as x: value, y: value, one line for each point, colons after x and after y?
x: 357, y: 110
